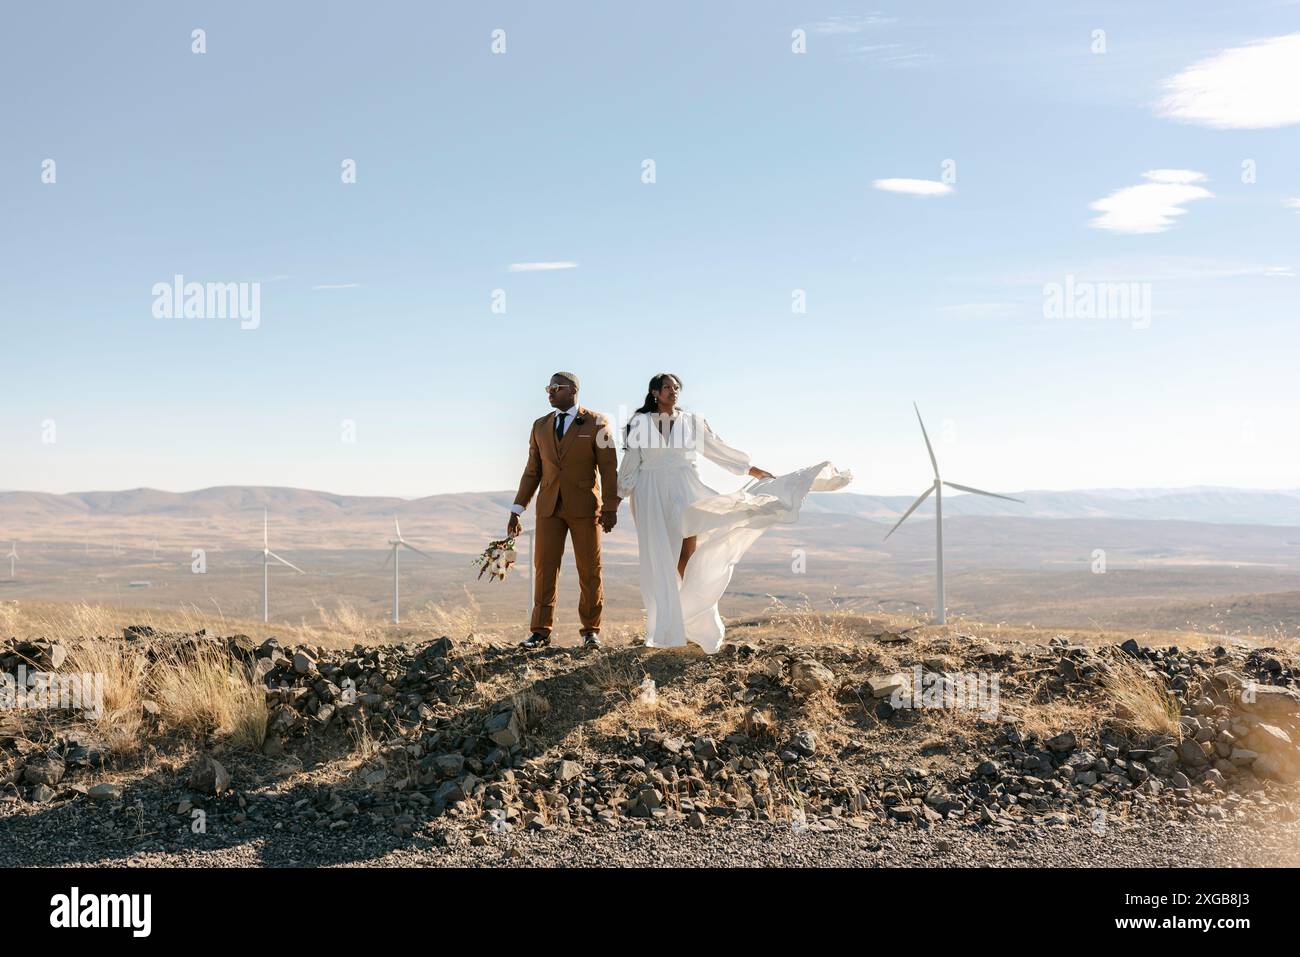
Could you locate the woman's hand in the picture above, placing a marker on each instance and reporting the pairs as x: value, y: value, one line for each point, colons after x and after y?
x: 759, y: 473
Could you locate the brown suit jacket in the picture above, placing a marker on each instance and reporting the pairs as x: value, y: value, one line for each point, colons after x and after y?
x: 567, y: 471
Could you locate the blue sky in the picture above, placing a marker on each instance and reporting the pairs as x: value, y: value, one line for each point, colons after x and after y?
x: 375, y: 295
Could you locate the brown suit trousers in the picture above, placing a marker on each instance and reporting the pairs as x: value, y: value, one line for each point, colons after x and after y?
x: 567, y: 476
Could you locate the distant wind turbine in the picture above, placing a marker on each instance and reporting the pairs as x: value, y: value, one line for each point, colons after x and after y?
x: 267, y: 555
x: 13, y: 557
x: 395, y: 556
x: 937, y: 488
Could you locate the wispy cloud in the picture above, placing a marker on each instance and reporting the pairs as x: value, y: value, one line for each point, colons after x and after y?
x: 1294, y: 203
x: 1150, y: 207
x: 913, y: 187
x: 1250, y: 87
x: 337, y: 285
x: 1000, y: 309
x: 890, y: 54
x: 541, y: 267
x: 854, y: 24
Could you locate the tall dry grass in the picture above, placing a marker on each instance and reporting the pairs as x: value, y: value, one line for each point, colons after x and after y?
x: 1140, y: 700
x: 209, y: 693
x: 124, y: 676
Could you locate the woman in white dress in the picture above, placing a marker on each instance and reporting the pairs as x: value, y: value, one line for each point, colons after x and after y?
x: 689, y: 536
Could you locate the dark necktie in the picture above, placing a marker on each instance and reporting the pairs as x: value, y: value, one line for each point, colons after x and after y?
x: 559, y: 425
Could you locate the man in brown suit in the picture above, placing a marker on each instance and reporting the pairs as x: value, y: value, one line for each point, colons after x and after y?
x: 567, y: 450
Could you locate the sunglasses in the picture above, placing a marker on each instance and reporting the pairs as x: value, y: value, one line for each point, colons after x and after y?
x: 557, y: 388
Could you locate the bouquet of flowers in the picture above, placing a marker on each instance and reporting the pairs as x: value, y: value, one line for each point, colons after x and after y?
x: 496, y: 559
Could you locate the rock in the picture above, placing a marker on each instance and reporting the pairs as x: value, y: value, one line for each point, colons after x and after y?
x: 304, y: 663
x: 1271, y: 702
x: 757, y: 723
x: 209, y: 776
x: 1268, y: 738
x: 1274, y: 767
x: 376, y: 777
x: 568, y: 770
x: 449, y: 765
x: 459, y: 790
x: 105, y: 791
x: 883, y: 686
x: 696, y: 819
x: 1243, y: 756
x: 48, y: 771
x: 503, y: 728
x: 809, y: 676
x: 805, y: 742
x: 439, y: 647
x: 1180, y: 781
x: 42, y: 794
x: 1130, y: 647
x: 1065, y: 741
x: 706, y: 747
x: 1192, y: 754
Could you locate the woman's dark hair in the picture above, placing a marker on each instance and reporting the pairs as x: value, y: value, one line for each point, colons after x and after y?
x: 651, y: 404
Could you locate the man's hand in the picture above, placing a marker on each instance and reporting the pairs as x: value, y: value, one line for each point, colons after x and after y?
x: 514, y: 528
x: 608, y: 520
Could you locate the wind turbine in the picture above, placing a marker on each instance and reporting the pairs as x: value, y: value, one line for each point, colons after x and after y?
x: 937, y: 488
x: 13, y: 557
x: 267, y: 555
x: 395, y: 556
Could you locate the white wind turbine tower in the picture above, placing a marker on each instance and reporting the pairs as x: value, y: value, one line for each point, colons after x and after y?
x: 13, y: 557
x: 267, y: 555
x: 937, y: 488
x: 395, y: 556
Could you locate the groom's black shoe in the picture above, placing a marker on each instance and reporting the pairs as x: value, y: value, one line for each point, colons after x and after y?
x: 590, y: 640
x: 535, y: 640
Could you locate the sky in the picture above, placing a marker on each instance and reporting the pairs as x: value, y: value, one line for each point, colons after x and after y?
x: 955, y: 194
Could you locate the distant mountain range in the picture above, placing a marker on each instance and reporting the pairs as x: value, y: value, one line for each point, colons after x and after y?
x: 1198, y: 504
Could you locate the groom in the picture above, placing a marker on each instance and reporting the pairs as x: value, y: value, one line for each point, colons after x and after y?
x: 567, y: 448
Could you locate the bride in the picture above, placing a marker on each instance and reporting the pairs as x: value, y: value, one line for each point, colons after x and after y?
x: 689, y: 536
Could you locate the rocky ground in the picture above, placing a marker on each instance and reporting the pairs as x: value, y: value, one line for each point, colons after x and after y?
x: 844, y: 743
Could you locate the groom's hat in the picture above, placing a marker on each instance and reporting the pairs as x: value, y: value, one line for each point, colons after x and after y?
x: 571, y: 377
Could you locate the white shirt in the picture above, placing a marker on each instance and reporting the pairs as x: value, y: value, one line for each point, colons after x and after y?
x: 571, y: 413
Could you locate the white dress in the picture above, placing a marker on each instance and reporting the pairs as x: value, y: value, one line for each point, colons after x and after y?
x: 669, y: 503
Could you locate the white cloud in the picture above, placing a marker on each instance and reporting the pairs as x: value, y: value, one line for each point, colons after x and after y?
x: 1294, y: 203
x: 855, y: 24
x: 913, y: 187
x: 540, y: 267
x: 338, y: 285
x: 1152, y: 206
x: 1174, y: 176
x: 1251, y: 87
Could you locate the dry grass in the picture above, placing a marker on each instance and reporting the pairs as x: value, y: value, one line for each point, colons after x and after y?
x: 804, y: 624
x: 339, y: 627
x: 123, y: 672
x: 208, y: 693
x: 1140, y: 700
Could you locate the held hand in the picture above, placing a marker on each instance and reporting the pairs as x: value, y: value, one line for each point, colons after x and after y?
x: 514, y: 528
x: 608, y: 520
x: 759, y: 473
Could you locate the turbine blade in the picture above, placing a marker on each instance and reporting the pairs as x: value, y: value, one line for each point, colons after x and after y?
x: 389, y: 557
x: 283, y: 562
x: 264, y: 540
x: 416, y: 550
x: 923, y: 497
x: 926, y: 436
x: 397, y: 528
x: 980, y: 491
